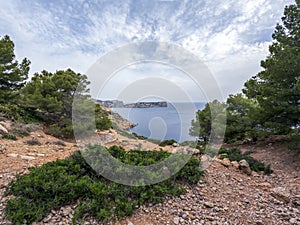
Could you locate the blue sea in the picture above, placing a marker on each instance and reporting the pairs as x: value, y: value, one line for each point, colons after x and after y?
x: 163, y: 123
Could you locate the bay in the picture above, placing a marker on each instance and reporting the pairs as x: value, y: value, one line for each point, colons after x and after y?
x: 163, y: 123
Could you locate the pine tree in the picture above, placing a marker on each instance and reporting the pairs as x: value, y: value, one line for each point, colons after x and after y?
x: 12, y: 74
x: 277, y: 87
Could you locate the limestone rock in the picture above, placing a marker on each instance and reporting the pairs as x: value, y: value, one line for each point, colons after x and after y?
x: 2, y: 148
x: 208, y: 204
x: 26, y: 157
x: 281, y: 194
x: 176, y: 220
x: 206, y: 160
x: 3, y: 130
x: 14, y: 155
x: 6, y: 124
x: 235, y: 164
x: 244, y: 167
x: 175, y: 144
x: 226, y: 162
x: 293, y: 221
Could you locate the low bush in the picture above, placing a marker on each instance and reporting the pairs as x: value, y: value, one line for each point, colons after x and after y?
x: 9, y: 136
x: 167, y: 142
x: 21, y: 133
x: 141, y: 137
x: 72, y: 180
x: 293, y: 142
x: 63, y: 129
x: 234, y: 154
x: 17, y: 113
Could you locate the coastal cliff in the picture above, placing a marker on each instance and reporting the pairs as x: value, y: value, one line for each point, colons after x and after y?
x: 120, y: 104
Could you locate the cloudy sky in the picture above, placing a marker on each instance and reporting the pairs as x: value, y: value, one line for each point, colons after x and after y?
x: 229, y: 36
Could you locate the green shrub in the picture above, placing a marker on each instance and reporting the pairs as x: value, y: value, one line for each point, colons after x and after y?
x: 293, y: 143
x: 17, y: 113
x: 64, y: 130
x: 21, y: 133
x: 101, y: 118
x: 139, y: 136
x: 234, y: 154
x: 9, y: 136
x: 64, y: 182
x: 167, y: 142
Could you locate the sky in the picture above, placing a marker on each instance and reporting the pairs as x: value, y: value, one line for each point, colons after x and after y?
x: 230, y: 37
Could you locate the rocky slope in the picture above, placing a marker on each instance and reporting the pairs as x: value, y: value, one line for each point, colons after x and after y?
x: 224, y: 195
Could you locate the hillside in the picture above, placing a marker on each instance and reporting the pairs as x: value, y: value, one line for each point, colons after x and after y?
x: 224, y: 195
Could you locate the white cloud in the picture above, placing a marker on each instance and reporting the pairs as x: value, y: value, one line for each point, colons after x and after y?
x: 230, y: 36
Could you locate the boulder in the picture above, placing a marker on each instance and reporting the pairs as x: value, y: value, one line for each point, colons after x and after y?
x: 235, y: 164
x: 281, y: 194
x: 206, y: 160
x: 244, y: 167
x: 175, y: 144
x: 6, y: 124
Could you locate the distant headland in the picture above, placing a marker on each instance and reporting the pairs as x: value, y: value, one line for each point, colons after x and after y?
x: 120, y: 104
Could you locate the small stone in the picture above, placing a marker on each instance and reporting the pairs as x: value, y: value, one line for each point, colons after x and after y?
x: 176, y: 220
x: 184, y: 216
x: 2, y: 148
x: 265, y: 184
x: 26, y: 157
x: 226, y: 162
x: 130, y: 223
x: 14, y: 155
x: 208, y: 204
x: 192, y: 217
x: 211, y: 218
x: 293, y: 221
x: 67, y: 211
x: 255, y: 174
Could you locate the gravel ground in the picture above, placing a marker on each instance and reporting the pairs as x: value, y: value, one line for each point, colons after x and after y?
x: 224, y: 195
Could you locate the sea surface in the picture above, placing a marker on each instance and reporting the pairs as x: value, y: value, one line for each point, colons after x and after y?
x: 163, y: 123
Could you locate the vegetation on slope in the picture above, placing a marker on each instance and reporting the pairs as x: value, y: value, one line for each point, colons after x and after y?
x: 72, y: 180
x: 47, y: 98
x: 234, y: 154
